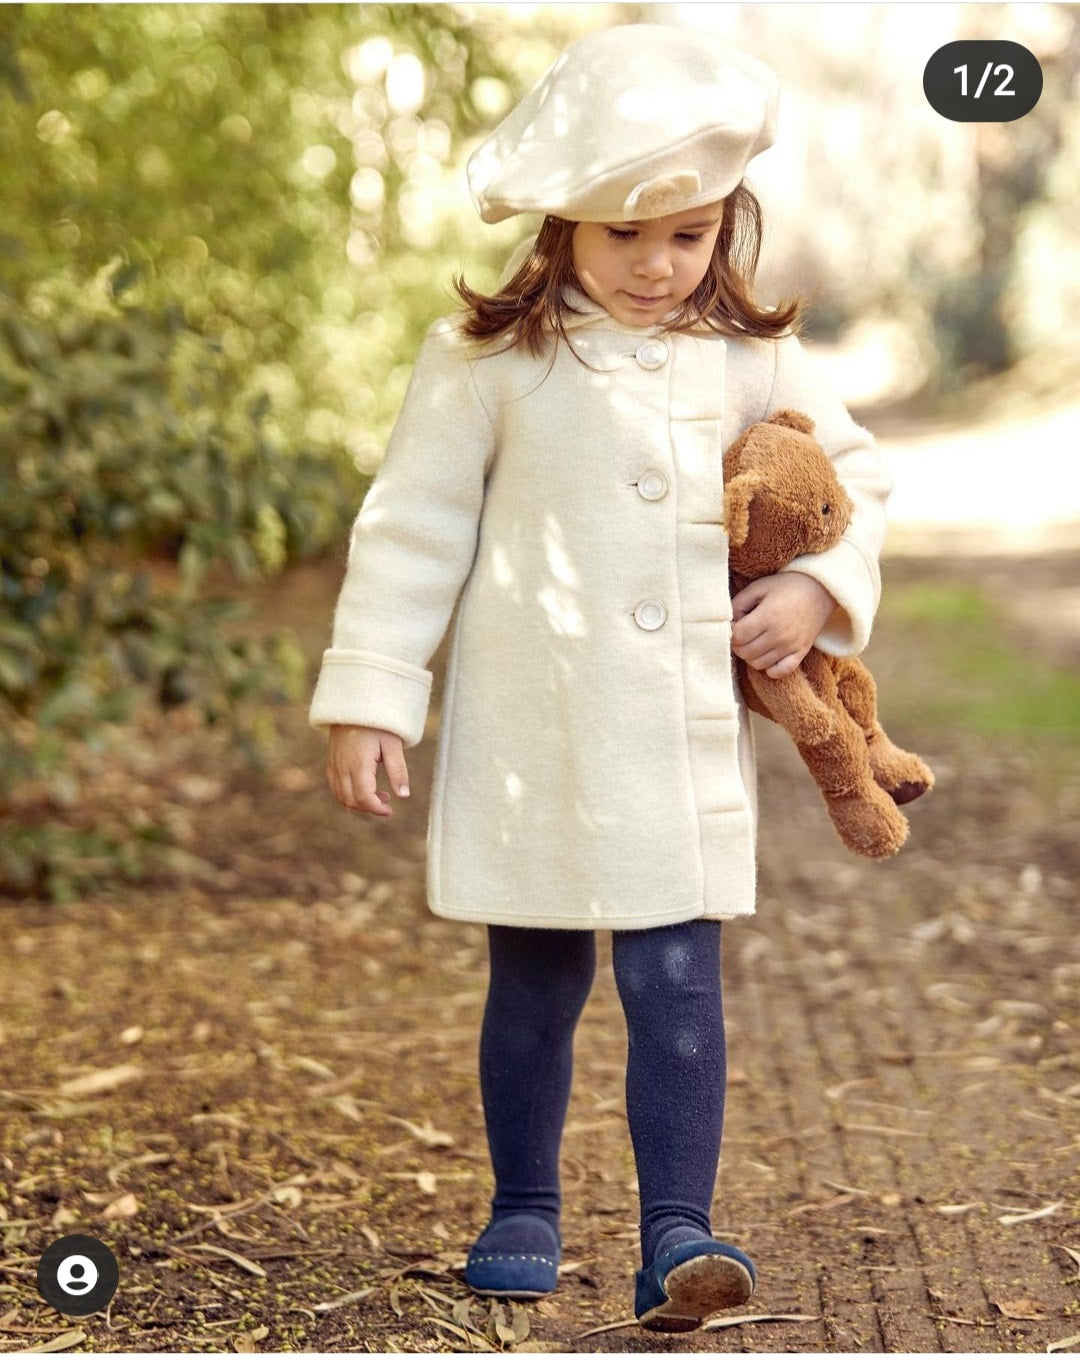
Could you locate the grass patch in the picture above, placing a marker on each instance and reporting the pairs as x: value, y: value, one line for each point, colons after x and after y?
x: 952, y: 660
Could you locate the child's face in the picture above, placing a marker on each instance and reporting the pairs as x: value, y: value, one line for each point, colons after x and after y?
x: 640, y: 271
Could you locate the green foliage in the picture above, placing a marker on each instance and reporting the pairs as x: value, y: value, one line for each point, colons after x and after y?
x: 120, y: 444
x: 291, y: 172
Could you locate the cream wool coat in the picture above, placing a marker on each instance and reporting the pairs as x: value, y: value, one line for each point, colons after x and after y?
x: 595, y: 765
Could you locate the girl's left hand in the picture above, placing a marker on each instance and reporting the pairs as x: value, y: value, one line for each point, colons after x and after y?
x: 777, y: 620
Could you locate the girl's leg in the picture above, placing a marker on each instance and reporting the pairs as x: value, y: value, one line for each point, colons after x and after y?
x: 540, y: 980
x: 669, y: 983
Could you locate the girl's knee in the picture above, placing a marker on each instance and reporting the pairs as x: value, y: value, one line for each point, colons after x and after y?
x: 547, y: 971
x: 657, y: 969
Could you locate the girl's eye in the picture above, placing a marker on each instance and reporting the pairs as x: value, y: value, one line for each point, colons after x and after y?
x: 690, y: 236
x: 621, y: 234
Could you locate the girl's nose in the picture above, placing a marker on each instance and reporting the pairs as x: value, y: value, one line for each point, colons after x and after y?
x: 654, y: 263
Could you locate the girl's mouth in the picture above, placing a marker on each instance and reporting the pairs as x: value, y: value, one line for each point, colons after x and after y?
x: 643, y: 301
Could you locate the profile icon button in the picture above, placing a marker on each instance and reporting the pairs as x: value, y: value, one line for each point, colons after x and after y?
x: 78, y: 1275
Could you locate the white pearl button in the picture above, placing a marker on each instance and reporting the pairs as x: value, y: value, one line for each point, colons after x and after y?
x: 650, y: 614
x: 651, y: 354
x: 652, y: 485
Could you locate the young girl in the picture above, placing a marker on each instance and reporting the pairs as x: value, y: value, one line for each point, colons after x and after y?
x: 557, y: 470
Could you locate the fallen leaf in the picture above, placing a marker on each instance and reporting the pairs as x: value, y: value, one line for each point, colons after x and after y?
x: 1066, y: 1344
x: 149, y: 1158
x: 345, y: 1301
x: 719, y: 1323
x: 1074, y: 1255
x: 288, y: 1194
x: 475, y: 1342
x: 838, y: 1201
x: 434, y: 1298
x: 424, y: 1131
x: 98, y: 1200
x: 100, y: 1081
x: 248, y: 1341
x: 608, y: 1326
x: 504, y: 1331
x: 127, y: 1205
x: 1011, y: 1219
x: 312, y: 1067
x: 849, y: 1188
x: 1020, y: 1008
x: 226, y: 1119
x: 1021, y: 1309
x: 64, y: 1342
x: 520, y: 1319
x: 879, y: 1129
x: 221, y: 1251
x: 460, y: 1313
x: 347, y: 1105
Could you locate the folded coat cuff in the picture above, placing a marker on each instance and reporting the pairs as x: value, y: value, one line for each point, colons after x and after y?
x: 854, y: 579
x: 356, y: 687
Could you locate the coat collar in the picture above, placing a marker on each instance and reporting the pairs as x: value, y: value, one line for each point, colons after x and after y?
x: 582, y: 312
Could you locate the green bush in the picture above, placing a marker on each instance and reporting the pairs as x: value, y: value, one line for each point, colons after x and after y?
x: 120, y: 445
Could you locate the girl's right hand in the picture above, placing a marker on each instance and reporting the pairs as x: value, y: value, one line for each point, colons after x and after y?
x: 354, y: 753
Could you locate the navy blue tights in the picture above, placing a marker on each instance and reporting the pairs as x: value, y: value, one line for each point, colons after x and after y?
x: 669, y: 984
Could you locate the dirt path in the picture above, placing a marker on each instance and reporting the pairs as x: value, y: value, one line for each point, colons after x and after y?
x: 255, y: 1077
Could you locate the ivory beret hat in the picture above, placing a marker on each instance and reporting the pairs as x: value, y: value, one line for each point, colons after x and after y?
x: 632, y: 122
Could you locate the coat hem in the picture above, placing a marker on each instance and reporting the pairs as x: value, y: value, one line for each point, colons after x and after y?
x: 511, y: 920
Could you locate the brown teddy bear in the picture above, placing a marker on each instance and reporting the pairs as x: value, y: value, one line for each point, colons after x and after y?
x: 781, y: 499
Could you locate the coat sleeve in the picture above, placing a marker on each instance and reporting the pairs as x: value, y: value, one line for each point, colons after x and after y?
x: 850, y: 569
x: 411, y: 550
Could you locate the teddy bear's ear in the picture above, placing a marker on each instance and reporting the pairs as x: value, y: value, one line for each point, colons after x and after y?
x: 797, y: 421
x: 738, y: 495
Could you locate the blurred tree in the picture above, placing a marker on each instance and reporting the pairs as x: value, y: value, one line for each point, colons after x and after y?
x: 939, y: 235
x: 976, y: 315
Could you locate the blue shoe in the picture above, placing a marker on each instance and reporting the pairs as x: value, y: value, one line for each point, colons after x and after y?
x: 499, y: 1273
x: 690, y: 1282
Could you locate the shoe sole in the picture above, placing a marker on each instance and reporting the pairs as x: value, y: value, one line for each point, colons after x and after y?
x: 696, y: 1290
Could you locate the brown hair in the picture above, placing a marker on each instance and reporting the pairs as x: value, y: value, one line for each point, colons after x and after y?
x: 531, y: 306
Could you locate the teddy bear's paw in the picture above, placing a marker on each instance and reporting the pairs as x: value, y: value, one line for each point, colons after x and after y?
x: 868, y: 822
x: 903, y: 776
x: 907, y: 791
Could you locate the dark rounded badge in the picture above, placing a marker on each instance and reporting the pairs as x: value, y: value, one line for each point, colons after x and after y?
x: 78, y: 1275
x: 983, y: 80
